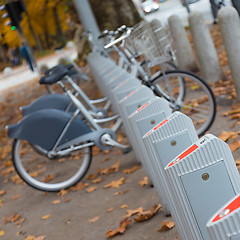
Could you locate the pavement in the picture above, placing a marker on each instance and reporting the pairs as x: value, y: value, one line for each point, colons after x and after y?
x: 22, y: 74
x: 171, y: 7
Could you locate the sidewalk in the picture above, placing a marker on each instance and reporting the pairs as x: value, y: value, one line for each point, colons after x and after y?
x: 23, y: 74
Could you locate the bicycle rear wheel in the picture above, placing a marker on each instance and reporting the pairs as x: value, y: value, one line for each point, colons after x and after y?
x: 47, y: 174
x: 191, y: 95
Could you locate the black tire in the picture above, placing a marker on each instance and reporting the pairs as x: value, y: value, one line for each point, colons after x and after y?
x: 195, y: 98
x: 46, y: 174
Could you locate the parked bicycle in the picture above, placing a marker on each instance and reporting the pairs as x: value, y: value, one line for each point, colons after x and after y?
x: 52, y: 149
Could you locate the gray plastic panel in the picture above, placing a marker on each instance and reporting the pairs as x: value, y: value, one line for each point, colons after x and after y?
x: 207, y: 196
x: 235, y: 237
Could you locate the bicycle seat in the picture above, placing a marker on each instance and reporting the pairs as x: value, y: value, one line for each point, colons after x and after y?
x: 53, y: 78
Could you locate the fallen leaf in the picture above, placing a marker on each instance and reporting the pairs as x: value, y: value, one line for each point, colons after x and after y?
x: 122, y: 192
x: 91, y: 189
x: 79, y: 186
x: 67, y: 200
x: 115, y: 184
x: 16, y: 197
x: 144, y: 181
x: 110, y: 209
x: 97, y: 180
x: 46, y: 216
x: 227, y: 135
x: 237, y: 162
x: 2, y: 233
x: 91, y: 176
x: 2, y: 192
x: 30, y: 237
x: 121, y: 229
x: 12, y: 218
x: 133, y: 212
x: 62, y: 192
x: 124, y: 206
x: 92, y: 220
x: 131, y: 170
x: 20, y: 221
x: 165, y: 226
x: 54, y: 202
x: 106, y: 159
x: 1, y: 203
x: 145, y: 215
x: 48, y: 178
x: 112, y: 169
x: 235, y: 145
x: 40, y: 238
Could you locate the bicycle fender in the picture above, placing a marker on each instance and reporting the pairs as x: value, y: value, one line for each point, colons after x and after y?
x: 44, y: 127
x: 52, y: 101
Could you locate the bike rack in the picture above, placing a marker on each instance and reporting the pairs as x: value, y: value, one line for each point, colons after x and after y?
x: 224, y: 225
x: 163, y: 143
x: 194, y: 178
x: 141, y: 121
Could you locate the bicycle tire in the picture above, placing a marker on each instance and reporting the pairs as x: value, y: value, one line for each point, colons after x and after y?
x: 197, y: 100
x: 46, y: 174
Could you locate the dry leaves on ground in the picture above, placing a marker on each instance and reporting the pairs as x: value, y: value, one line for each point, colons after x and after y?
x: 141, y: 215
x: 91, y: 189
x: 55, y: 202
x: 115, y: 184
x: 144, y: 181
x: 122, y: 192
x: 121, y: 229
x: 111, y: 169
x: 79, y: 186
x: 30, y: 237
x: 92, y: 220
x: 12, y: 218
x: 165, y: 226
x: 226, y: 135
x: 235, y: 145
x: 131, y: 170
x: 46, y: 217
x: 97, y: 180
x: 62, y: 192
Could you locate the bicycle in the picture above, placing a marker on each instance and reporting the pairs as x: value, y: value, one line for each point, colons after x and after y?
x: 185, y: 91
x: 62, y: 158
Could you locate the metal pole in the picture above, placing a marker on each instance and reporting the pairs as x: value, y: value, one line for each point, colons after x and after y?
x: 88, y: 20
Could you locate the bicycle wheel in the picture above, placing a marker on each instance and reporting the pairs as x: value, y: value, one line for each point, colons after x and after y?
x: 47, y: 174
x: 193, y: 98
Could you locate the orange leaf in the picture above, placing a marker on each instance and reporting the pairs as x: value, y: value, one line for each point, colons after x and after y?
x: 20, y: 221
x: 62, y: 192
x: 16, y: 197
x: 110, y: 209
x: 79, y: 186
x: 166, y: 226
x: 144, y: 181
x: 91, y: 176
x: 2, y: 233
x: 91, y: 189
x: 12, y: 218
x: 92, y: 220
x: 46, y: 216
x: 97, y: 180
x: 112, y: 169
x: 134, y: 212
x: 121, y: 229
x: 54, y: 202
x: 145, y: 215
x: 48, y: 178
x: 122, y: 192
x: 124, y: 206
x: 2, y: 192
x: 131, y: 170
x: 235, y: 145
x: 115, y: 184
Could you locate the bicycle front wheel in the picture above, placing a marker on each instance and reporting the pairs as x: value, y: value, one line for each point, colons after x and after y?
x: 47, y: 174
x: 191, y: 95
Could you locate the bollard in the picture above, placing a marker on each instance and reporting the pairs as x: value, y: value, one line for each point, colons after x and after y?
x: 163, y: 143
x: 230, y: 28
x: 202, y: 179
x: 224, y: 225
x: 205, y: 49
x: 184, y: 53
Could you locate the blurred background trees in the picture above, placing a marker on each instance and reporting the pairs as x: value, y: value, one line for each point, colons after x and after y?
x: 49, y: 24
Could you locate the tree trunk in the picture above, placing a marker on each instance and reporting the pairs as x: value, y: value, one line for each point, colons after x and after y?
x: 59, y: 32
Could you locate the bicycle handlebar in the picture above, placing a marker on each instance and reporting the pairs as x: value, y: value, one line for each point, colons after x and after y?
x: 126, y: 32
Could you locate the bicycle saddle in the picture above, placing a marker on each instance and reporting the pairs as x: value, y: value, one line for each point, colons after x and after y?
x: 55, y: 77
